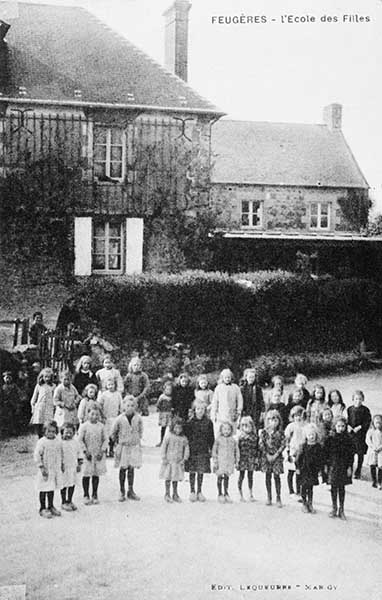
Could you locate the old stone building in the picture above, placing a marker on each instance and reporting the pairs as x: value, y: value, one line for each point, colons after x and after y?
x: 287, y: 190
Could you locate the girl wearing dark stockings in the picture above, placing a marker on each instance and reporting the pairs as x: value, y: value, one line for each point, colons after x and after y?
x: 164, y: 408
x: 248, y: 450
x: 339, y: 451
x: 175, y: 452
x: 72, y: 461
x: 374, y: 453
x: 225, y: 456
x: 272, y: 444
x: 49, y: 459
x: 127, y: 434
x: 94, y: 443
x: 200, y: 434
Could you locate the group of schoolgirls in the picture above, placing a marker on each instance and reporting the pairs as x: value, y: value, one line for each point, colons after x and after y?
x: 234, y: 425
x: 241, y: 429
x: 79, y: 423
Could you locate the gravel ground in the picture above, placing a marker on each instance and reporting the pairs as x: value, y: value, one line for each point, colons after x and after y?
x: 151, y: 550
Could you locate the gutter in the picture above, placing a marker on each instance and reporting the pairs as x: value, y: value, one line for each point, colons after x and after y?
x: 83, y: 104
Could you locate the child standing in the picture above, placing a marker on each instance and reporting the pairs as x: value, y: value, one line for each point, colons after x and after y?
x: 88, y: 402
x: 49, y: 459
x: 339, y: 450
x: 296, y: 398
x: 203, y: 393
x: 295, y: 438
x: 337, y: 405
x: 127, y: 434
x: 227, y: 403
x: 309, y: 462
x: 225, y: 456
x: 110, y: 402
x: 253, y: 400
x: 164, y: 408
x: 72, y: 461
x: 108, y: 371
x: 374, y: 453
x: 93, y: 441
x: 84, y: 375
x: 359, y: 419
x: 42, y: 401
x: 183, y: 397
x: 175, y: 452
x: 66, y: 400
x: 10, y: 406
x: 37, y: 328
x: 275, y: 402
x: 272, y: 444
x: 200, y: 434
x: 316, y: 405
x: 137, y: 384
x: 300, y: 383
x: 248, y: 453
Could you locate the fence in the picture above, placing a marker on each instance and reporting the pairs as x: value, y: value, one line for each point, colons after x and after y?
x: 117, y: 165
x: 56, y: 351
x: 20, y: 331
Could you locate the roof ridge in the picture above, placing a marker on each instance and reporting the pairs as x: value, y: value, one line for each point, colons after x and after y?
x: 224, y: 120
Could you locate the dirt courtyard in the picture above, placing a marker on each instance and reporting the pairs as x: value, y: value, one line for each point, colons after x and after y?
x: 151, y: 550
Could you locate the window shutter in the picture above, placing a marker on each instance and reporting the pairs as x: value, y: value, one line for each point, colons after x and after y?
x: 82, y: 246
x: 134, y: 246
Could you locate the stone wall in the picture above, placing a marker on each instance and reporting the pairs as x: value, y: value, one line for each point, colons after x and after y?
x: 286, y: 208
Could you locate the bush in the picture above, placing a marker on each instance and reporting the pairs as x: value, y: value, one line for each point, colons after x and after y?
x: 243, y: 315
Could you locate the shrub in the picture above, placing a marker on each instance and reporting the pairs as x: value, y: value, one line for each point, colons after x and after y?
x: 244, y: 315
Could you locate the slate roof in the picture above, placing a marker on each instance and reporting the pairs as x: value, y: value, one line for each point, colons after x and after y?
x: 248, y: 152
x: 54, y: 50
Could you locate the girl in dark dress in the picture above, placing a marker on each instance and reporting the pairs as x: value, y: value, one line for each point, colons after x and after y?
x: 183, y: 397
x: 248, y: 452
x: 339, y: 451
x: 272, y: 444
x: 253, y: 401
x: 309, y: 462
x: 359, y: 419
x: 200, y: 434
x: 84, y: 375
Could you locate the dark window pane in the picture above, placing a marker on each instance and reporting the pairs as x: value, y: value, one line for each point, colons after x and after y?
x: 313, y: 221
x: 99, y: 261
x: 245, y: 220
x: 116, y: 136
x: 245, y: 206
x: 100, y: 135
x: 116, y: 170
x: 116, y: 153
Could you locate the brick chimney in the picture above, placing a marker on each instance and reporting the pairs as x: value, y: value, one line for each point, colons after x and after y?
x: 176, y: 38
x: 333, y: 116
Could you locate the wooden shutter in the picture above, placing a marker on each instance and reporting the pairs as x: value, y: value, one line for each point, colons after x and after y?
x: 82, y: 246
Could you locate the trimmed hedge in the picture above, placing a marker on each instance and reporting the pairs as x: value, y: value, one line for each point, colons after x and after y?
x: 244, y: 315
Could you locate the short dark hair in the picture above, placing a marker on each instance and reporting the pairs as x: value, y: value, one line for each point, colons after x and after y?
x: 37, y: 313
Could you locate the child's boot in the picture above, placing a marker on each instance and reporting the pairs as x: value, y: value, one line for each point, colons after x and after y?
x: 193, y: 497
x: 333, y: 512
x: 251, y: 496
x: 311, y: 509
x: 132, y: 495
x: 55, y: 512
x: 269, y: 500
x: 341, y: 513
x: 278, y: 502
x: 200, y: 497
x: 305, y: 507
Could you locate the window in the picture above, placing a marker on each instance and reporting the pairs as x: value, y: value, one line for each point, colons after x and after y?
x: 319, y: 215
x: 109, y: 153
x: 251, y: 213
x: 107, y: 247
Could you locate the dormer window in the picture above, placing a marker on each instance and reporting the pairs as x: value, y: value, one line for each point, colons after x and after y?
x: 109, y: 153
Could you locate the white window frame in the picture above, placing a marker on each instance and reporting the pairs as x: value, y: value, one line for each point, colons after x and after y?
x: 107, y: 270
x: 109, y: 146
x: 319, y: 204
x: 259, y: 212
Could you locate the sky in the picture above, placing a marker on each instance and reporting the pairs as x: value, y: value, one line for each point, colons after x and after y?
x: 274, y: 71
